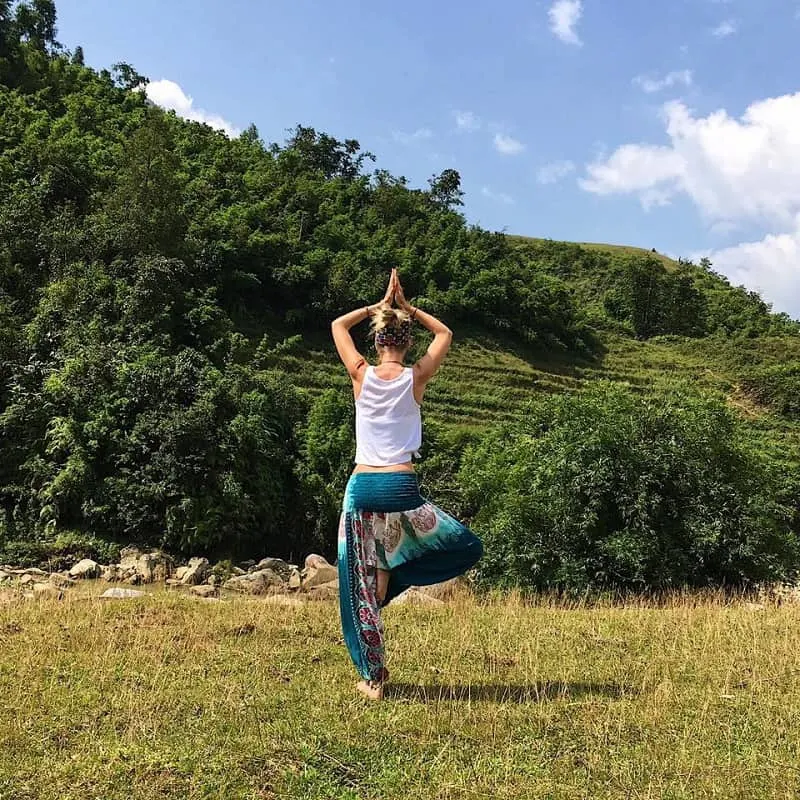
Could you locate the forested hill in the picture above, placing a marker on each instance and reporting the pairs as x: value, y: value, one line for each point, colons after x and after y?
x: 165, y: 295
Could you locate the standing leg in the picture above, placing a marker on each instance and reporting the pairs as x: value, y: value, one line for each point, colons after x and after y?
x: 358, y: 602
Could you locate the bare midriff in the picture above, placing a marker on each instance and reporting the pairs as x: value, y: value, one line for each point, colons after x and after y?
x: 407, y: 467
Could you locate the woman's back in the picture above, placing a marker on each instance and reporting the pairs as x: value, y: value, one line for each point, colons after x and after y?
x: 388, y: 420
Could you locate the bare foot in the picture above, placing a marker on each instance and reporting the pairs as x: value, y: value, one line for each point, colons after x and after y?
x: 371, y: 689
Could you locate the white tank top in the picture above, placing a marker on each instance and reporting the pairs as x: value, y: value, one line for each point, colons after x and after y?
x: 388, y: 420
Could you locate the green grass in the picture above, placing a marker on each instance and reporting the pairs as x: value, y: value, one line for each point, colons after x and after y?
x: 169, y: 697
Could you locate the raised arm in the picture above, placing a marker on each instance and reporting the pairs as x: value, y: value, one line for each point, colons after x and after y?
x: 427, y: 366
x: 353, y: 361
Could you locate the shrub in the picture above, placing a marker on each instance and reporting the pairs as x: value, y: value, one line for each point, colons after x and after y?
x: 776, y: 386
x: 607, y: 490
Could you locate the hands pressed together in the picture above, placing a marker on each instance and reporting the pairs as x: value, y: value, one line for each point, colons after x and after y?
x: 395, y: 294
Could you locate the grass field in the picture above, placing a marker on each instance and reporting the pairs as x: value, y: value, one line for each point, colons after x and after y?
x: 171, y: 697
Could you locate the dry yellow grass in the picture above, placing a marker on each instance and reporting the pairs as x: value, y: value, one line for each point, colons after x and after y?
x: 171, y: 697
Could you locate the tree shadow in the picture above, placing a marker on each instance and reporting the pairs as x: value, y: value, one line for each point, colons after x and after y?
x: 538, y: 692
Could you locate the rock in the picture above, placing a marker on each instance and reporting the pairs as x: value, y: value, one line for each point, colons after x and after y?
x: 261, y: 582
x: 26, y: 580
x: 295, y: 581
x: 239, y: 571
x: 85, y: 569
x: 213, y: 580
x: 136, y: 567
x: 314, y: 560
x: 180, y: 572
x: 196, y: 572
x: 447, y: 590
x: 283, y: 600
x: 43, y: 590
x: 35, y: 571
x: 325, y: 591
x: 204, y: 591
x: 318, y: 572
x: 173, y: 582
x: 118, y: 593
x: 4, y: 576
x: 60, y: 580
x: 109, y: 573
x: 276, y: 565
x: 415, y: 597
x: 246, y: 566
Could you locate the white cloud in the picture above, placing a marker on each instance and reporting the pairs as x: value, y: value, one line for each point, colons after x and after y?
x: 169, y: 94
x: 770, y: 266
x: 652, y: 85
x: 499, y: 197
x: 467, y: 121
x: 419, y: 135
x: 726, y: 28
x: 552, y: 173
x: 732, y: 169
x: 564, y: 17
x: 507, y: 145
x: 735, y: 170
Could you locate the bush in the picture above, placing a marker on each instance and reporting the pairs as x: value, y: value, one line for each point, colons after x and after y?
x: 777, y: 387
x: 59, y: 553
x: 606, y: 490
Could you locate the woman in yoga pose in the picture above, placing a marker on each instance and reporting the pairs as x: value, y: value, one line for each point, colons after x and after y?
x: 390, y: 537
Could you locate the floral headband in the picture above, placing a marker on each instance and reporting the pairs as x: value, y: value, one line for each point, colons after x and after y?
x: 398, y: 336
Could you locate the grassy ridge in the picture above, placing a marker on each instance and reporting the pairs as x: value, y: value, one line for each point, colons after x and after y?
x: 612, y: 249
x: 168, y: 697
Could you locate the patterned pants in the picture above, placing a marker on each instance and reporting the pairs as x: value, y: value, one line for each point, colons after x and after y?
x: 386, y: 524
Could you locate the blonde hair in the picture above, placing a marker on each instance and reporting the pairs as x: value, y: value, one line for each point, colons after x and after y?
x: 391, y: 327
x: 388, y: 317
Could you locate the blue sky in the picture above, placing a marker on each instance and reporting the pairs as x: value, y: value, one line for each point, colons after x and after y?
x: 668, y: 125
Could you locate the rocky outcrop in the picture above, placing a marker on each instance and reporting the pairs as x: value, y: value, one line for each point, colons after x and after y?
x: 136, y: 567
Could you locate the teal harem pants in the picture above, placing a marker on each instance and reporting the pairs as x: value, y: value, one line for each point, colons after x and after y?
x: 387, y: 524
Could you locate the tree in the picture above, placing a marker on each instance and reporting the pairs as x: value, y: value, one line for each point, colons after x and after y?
x: 445, y: 189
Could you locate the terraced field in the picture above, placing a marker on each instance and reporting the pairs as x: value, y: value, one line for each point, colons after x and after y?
x: 486, y: 380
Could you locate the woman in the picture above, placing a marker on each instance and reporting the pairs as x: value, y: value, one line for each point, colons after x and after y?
x: 390, y: 537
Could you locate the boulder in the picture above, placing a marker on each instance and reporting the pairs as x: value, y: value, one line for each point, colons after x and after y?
x: 47, y: 590
x: 276, y: 565
x: 5, y: 576
x: 213, y: 580
x: 85, y: 569
x: 325, y: 591
x: 195, y: 572
x: 26, y: 580
x: 117, y: 593
x: 136, y: 567
x: 61, y: 580
x: 448, y: 590
x: 180, y: 572
x: 415, y: 597
x: 264, y: 581
x: 295, y: 581
x: 318, y: 572
x: 204, y: 591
